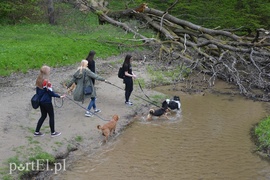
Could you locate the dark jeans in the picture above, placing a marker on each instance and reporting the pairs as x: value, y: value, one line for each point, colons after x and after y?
x: 46, y: 109
x: 129, y: 87
x: 92, y: 104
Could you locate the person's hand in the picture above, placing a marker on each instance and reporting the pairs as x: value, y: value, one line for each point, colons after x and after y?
x: 63, y: 96
x: 134, y: 76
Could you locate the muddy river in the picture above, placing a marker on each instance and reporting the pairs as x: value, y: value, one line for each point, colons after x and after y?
x: 208, y: 139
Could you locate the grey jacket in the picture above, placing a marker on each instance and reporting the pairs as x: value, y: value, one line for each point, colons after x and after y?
x: 78, y: 94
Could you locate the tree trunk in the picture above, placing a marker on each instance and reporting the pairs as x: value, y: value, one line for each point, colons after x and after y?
x: 239, y: 60
x: 51, y: 12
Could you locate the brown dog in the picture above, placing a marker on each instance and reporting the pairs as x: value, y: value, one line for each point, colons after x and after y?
x: 141, y: 8
x: 70, y: 89
x: 108, y: 128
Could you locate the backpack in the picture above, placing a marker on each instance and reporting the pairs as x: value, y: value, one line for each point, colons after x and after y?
x: 35, y: 101
x: 121, y: 73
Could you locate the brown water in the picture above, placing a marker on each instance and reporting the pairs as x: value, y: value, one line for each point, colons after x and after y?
x: 208, y: 139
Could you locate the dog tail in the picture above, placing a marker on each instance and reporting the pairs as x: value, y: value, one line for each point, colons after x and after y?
x: 64, y: 85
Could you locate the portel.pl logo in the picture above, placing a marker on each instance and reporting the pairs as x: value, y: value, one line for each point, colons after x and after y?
x: 38, y: 165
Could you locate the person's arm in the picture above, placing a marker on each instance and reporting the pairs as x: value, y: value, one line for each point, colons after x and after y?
x: 134, y: 76
x: 95, y: 76
x: 53, y: 94
x: 130, y: 75
x: 126, y: 72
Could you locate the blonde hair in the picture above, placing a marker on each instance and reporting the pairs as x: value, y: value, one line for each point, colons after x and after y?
x: 44, y: 73
x: 84, y: 64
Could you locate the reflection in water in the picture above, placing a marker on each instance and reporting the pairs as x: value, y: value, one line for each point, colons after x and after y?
x: 208, y: 140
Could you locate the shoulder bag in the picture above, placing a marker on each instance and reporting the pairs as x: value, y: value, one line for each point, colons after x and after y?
x: 88, y: 89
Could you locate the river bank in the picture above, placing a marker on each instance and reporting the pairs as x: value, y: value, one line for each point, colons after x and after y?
x: 18, y: 119
x: 79, y: 133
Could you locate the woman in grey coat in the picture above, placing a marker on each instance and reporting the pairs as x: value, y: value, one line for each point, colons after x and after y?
x: 82, y: 78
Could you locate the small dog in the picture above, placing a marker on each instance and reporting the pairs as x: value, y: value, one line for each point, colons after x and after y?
x: 174, y: 104
x: 141, y: 8
x: 159, y: 112
x: 109, y: 128
x: 70, y: 89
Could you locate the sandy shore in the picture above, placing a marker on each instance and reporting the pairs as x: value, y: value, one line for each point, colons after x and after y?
x: 18, y: 119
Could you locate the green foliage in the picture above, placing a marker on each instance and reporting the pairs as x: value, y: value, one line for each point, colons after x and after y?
x: 7, y: 177
x: 159, y: 97
x: 215, y: 13
x: 157, y: 76
x: 15, y: 160
x: 59, y: 143
x: 42, y: 156
x: 37, y: 159
x: 224, y: 14
x: 14, y: 11
x: 140, y: 82
x: 78, y: 138
x: 262, y: 131
x: 263, y: 10
x: 31, y: 140
x: 161, y: 76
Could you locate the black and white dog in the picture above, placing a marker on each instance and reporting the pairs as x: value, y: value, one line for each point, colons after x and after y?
x: 174, y: 104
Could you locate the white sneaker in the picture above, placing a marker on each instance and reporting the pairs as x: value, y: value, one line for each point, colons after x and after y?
x: 55, y: 134
x: 39, y: 134
x: 97, y: 110
x: 88, y: 114
x: 129, y: 103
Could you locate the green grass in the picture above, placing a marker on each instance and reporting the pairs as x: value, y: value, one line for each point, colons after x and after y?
x: 78, y: 138
x: 262, y: 131
x: 161, y: 76
x: 39, y: 156
x: 25, y: 47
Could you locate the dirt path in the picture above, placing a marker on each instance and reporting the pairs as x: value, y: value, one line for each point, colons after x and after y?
x: 18, y: 119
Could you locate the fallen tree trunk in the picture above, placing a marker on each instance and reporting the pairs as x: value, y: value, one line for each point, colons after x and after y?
x: 240, y: 60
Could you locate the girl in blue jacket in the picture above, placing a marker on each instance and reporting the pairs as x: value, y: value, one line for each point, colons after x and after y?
x: 45, y: 92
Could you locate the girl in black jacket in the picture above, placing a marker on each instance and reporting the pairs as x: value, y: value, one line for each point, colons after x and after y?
x: 128, y: 78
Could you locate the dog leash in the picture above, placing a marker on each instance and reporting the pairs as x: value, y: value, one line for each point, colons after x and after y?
x: 142, y: 90
x: 56, y: 105
x: 134, y: 95
x: 87, y: 109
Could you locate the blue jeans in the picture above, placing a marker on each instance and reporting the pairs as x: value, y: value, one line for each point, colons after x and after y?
x: 92, y: 104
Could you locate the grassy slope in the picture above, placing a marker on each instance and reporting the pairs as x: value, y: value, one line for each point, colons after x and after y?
x: 26, y: 47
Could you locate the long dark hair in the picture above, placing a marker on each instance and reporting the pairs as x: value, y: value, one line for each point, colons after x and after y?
x: 90, y: 56
x: 127, y: 59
